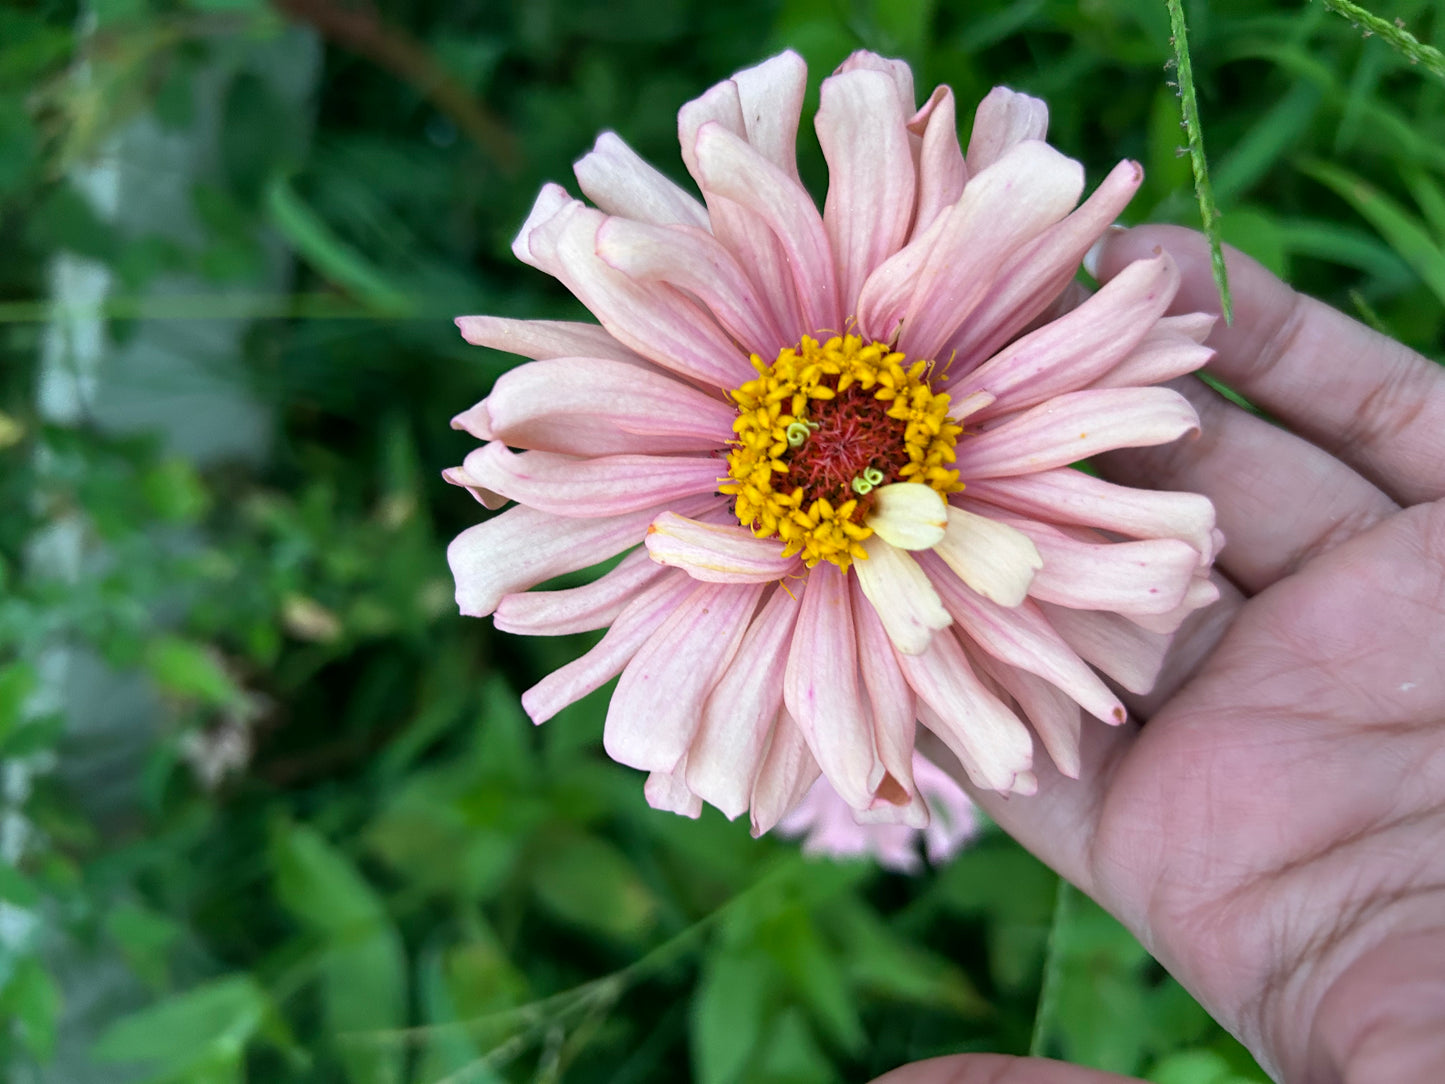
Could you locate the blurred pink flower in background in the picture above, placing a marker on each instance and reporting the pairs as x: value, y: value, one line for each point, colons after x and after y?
x: 828, y: 825
x: 844, y: 440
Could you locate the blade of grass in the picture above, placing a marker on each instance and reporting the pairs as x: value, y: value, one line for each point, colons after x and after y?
x: 315, y: 241
x: 1431, y: 199
x: 1405, y: 233
x: 1266, y: 142
x: 1348, y: 246
x: 1381, y: 125
x: 1194, y: 130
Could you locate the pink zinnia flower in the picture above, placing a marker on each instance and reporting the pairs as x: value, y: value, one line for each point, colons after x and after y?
x: 829, y: 826
x: 843, y: 441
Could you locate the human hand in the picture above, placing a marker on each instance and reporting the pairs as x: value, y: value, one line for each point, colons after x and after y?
x: 1275, y: 834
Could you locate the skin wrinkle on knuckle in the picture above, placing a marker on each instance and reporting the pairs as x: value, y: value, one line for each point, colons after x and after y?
x: 1269, y: 343
x: 1393, y: 406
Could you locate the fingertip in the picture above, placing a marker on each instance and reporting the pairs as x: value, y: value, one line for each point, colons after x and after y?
x: 1119, y: 247
x: 998, y: 1069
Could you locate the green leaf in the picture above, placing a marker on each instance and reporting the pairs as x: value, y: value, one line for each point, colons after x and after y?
x: 447, y: 1050
x: 505, y: 740
x: 203, y: 1030
x: 319, y: 886
x: 1431, y: 198
x: 363, y: 969
x: 589, y: 883
x: 879, y: 960
x: 1195, y: 1067
x: 17, y: 682
x: 194, y: 671
x: 1001, y: 881
x: 904, y: 24
x: 791, y: 937
x: 145, y: 938
x: 31, y: 1001
x: 174, y: 491
x: 733, y: 1000
x: 790, y: 1054
x: 18, y: 144
x: 1256, y: 233
x: 16, y: 888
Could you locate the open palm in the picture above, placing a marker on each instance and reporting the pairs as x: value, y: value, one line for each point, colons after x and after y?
x: 1275, y: 832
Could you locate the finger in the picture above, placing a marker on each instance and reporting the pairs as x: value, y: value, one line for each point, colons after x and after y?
x: 1279, y: 499
x: 998, y: 1069
x: 1358, y: 394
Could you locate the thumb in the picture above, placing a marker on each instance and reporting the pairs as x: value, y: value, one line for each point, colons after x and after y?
x: 998, y: 1069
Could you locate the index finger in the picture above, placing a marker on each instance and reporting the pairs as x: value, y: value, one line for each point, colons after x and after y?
x: 1374, y: 403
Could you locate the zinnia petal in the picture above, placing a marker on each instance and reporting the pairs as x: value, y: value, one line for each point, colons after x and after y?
x: 737, y: 720
x: 990, y: 742
x: 894, y: 713
x: 941, y: 170
x: 658, y: 703
x: 539, y: 339
x: 605, y: 486
x: 1080, y: 347
x: 732, y: 169
x: 820, y: 688
x: 911, y: 517
x: 1075, y: 426
x: 1004, y: 119
x: 788, y: 771
x: 577, y: 609
x: 862, y: 127
x: 654, y: 319
x: 1002, y: 208
x: 718, y: 553
x: 620, y: 182
x: 521, y: 547
x: 901, y: 595
x: 1038, y: 271
x: 632, y: 628
x: 1071, y: 496
x: 1022, y: 637
x: 996, y: 560
x: 601, y: 407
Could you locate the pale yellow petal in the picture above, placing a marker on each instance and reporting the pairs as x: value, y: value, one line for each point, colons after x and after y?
x: 996, y: 560
x: 909, y: 515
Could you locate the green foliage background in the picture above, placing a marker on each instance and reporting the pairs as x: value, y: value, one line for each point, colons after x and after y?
x: 406, y: 881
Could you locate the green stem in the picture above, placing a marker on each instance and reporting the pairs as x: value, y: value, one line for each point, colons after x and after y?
x: 1194, y: 131
x: 1404, y: 42
x: 1053, y: 979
